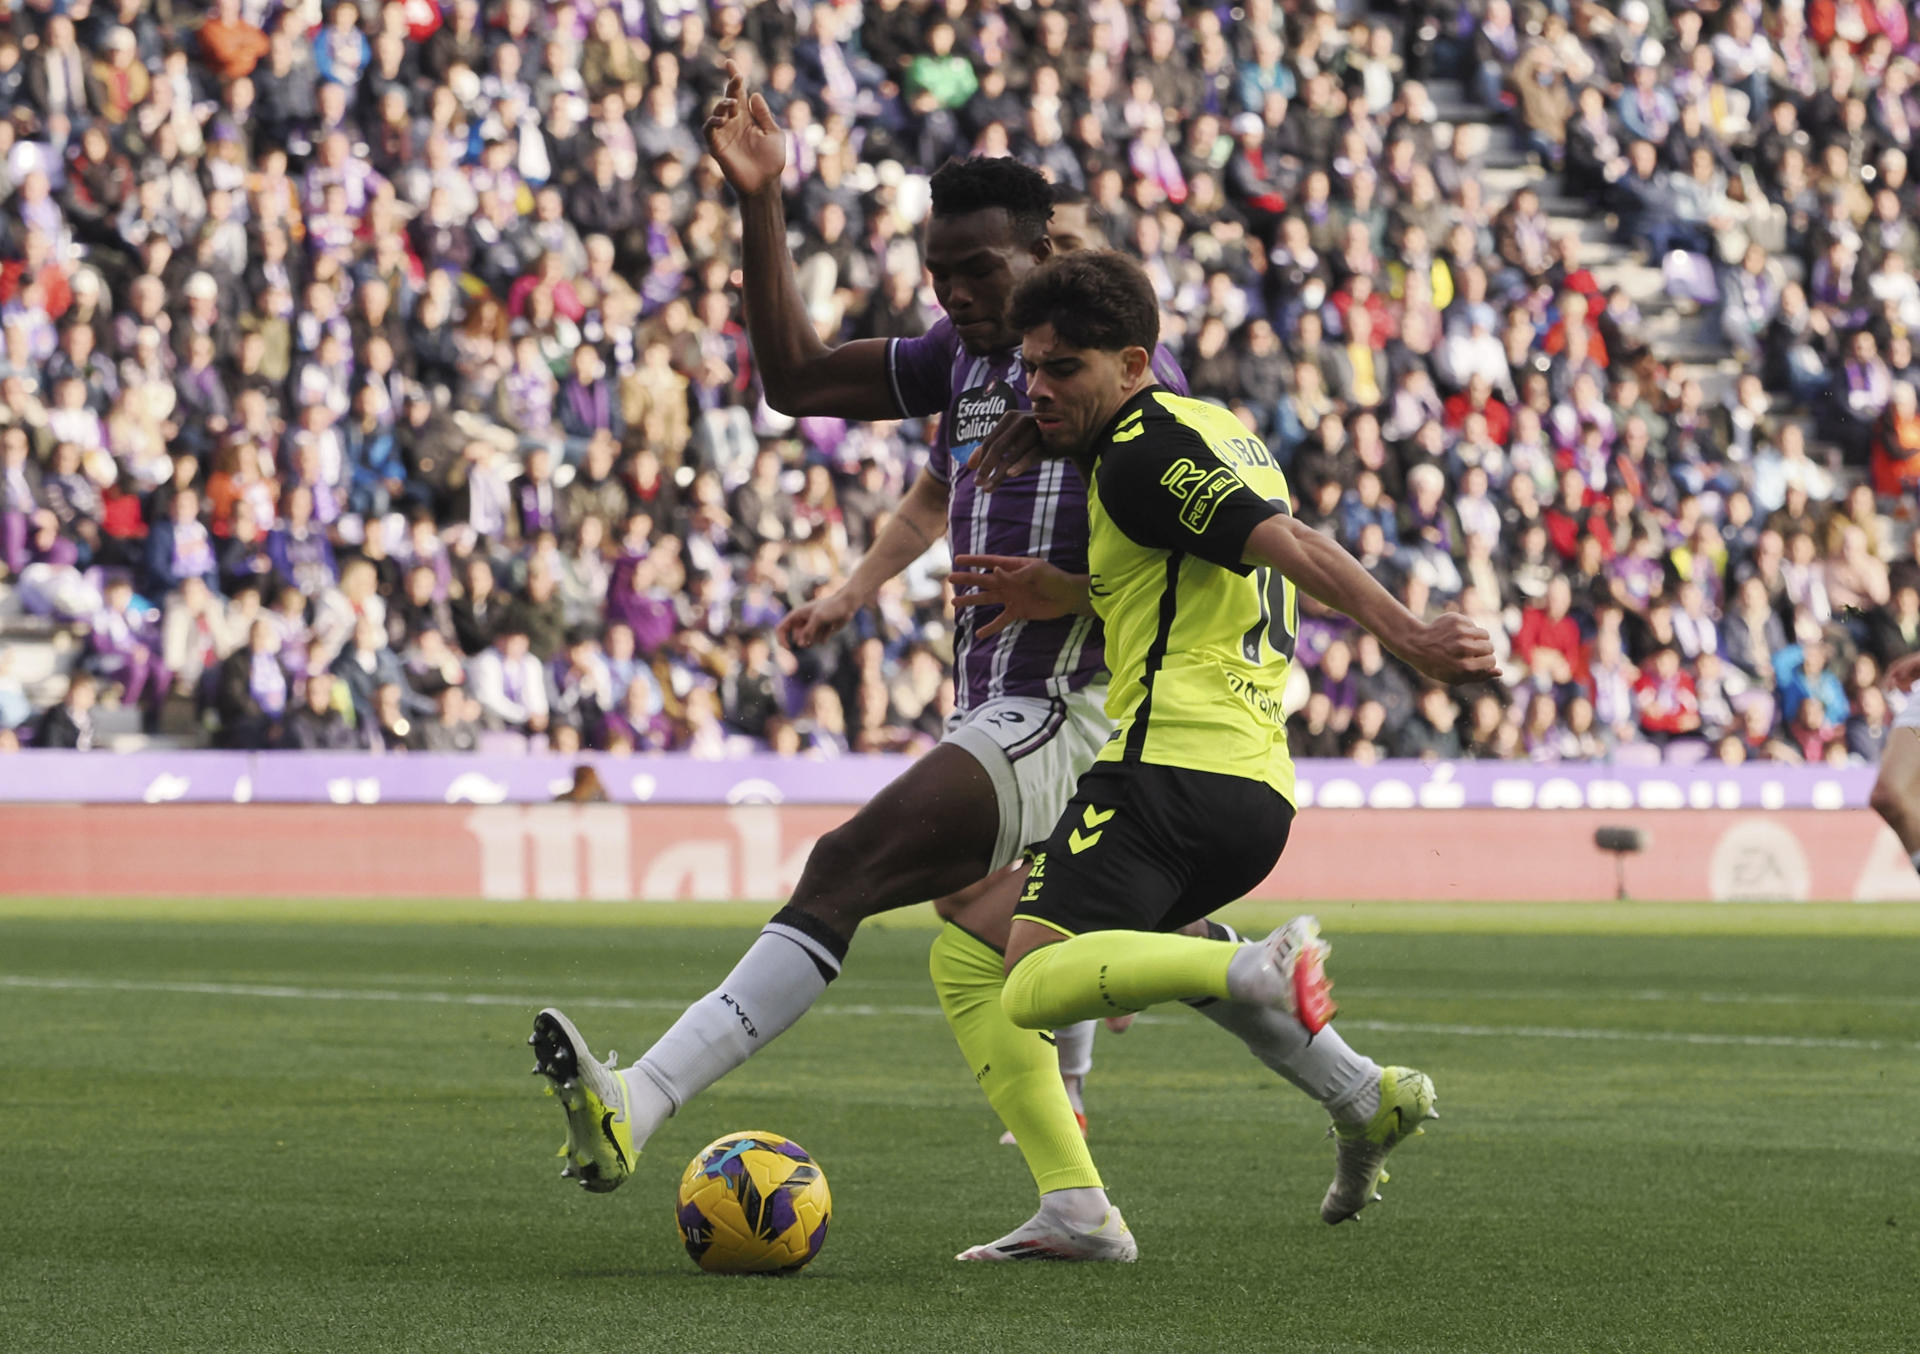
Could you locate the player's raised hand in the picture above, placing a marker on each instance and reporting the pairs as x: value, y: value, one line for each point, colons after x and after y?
x: 1024, y: 589
x: 816, y: 622
x: 1451, y: 649
x: 1010, y: 449
x: 1902, y: 673
x: 745, y: 139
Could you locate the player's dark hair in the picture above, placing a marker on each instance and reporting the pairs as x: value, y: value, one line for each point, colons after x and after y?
x: 1066, y: 195
x: 1094, y: 299
x: 980, y: 183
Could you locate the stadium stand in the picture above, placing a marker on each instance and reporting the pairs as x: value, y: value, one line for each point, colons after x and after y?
x: 373, y: 376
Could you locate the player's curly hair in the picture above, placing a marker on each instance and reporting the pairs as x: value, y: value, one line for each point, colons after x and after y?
x: 981, y: 182
x: 1097, y: 298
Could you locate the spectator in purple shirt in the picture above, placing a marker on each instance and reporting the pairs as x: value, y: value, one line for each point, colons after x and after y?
x: 251, y: 691
x: 644, y: 607
x: 300, y: 551
x: 20, y: 498
x: 126, y: 648
x: 180, y: 548
x: 589, y: 402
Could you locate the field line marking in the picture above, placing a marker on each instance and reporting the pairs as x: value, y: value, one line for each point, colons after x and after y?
x: 280, y: 992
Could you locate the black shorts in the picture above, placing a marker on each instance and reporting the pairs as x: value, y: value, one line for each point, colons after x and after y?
x: 1152, y: 848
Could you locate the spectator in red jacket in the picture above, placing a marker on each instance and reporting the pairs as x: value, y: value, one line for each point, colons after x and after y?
x: 1668, y: 705
x: 1553, y: 627
x: 1478, y: 398
x: 1577, y: 311
x: 1572, y: 514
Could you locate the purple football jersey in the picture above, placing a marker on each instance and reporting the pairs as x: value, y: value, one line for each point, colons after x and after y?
x: 1041, y: 514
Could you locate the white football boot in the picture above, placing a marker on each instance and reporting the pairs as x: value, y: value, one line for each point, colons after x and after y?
x: 1043, y: 1237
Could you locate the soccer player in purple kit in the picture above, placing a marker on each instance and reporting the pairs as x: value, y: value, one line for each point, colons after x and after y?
x: 1031, y: 699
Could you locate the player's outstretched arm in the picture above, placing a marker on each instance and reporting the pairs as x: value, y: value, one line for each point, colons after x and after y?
x: 1024, y: 589
x: 800, y: 374
x: 919, y: 521
x: 1450, y: 649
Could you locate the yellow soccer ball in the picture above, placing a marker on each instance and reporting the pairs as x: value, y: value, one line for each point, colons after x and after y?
x: 753, y: 1203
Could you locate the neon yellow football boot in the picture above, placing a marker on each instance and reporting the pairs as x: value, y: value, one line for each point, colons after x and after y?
x: 1406, y: 1098
x: 599, y: 1146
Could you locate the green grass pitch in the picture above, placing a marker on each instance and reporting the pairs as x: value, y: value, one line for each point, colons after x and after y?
x: 303, y: 1127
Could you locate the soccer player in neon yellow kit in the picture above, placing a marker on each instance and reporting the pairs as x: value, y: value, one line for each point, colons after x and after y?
x: 1195, y: 559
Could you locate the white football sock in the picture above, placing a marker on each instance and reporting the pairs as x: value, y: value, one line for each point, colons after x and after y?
x: 782, y: 974
x: 1081, y: 1209
x: 1075, y: 1046
x: 1322, y: 1065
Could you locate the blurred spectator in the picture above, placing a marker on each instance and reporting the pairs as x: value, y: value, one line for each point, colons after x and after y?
x: 448, y: 729
x: 70, y: 723
x: 433, y: 331
x: 510, y: 683
x: 319, y: 724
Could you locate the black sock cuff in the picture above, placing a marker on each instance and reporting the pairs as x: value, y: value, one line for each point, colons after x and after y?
x: 823, y: 945
x: 1221, y: 931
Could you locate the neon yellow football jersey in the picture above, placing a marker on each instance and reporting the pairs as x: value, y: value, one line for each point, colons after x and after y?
x: 1199, y: 644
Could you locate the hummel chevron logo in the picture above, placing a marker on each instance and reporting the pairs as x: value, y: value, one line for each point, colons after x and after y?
x: 1078, y: 841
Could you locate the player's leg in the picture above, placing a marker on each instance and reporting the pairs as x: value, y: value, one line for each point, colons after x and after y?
x: 1896, y: 790
x: 930, y: 832
x: 985, y: 911
x: 1032, y: 750
x: 1073, y: 1044
x: 1373, y: 1108
x: 1063, y: 968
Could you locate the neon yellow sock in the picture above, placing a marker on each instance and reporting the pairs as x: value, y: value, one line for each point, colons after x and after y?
x: 1019, y: 1070
x: 1107, y: 973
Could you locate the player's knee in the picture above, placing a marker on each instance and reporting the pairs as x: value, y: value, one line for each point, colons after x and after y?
x: 863, y: 860
x: 843, y: 875
x: 949, y: 907
x: 965, y: 973
x: 839, y: 853
x: 1022, y: 998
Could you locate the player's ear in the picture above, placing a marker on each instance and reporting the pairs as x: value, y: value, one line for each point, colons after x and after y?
x: 1134, y: 363
x: 1042, y: 248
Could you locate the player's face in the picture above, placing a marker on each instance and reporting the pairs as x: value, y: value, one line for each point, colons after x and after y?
x: 975, y: 260
x: 1071, y: 228
x: 1075, y: 391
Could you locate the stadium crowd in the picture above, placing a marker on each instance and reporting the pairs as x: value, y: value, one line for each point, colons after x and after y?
x: 373, y: 375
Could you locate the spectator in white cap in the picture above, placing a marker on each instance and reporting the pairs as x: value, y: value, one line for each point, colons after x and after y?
x: 118, y: 82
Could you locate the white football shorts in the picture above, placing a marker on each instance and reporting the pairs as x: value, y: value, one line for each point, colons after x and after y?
x: 1034, y: 749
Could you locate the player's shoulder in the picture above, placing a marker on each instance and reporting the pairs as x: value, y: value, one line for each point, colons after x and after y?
x: 938, y: 343
x: 1164, y: 438
x: 1149, y: 427
x: 1160, y: 421
x: 1205, y: 419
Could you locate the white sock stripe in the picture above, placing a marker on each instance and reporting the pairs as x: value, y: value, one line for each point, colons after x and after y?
x: 820, y: 953
x: 426, y: 997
